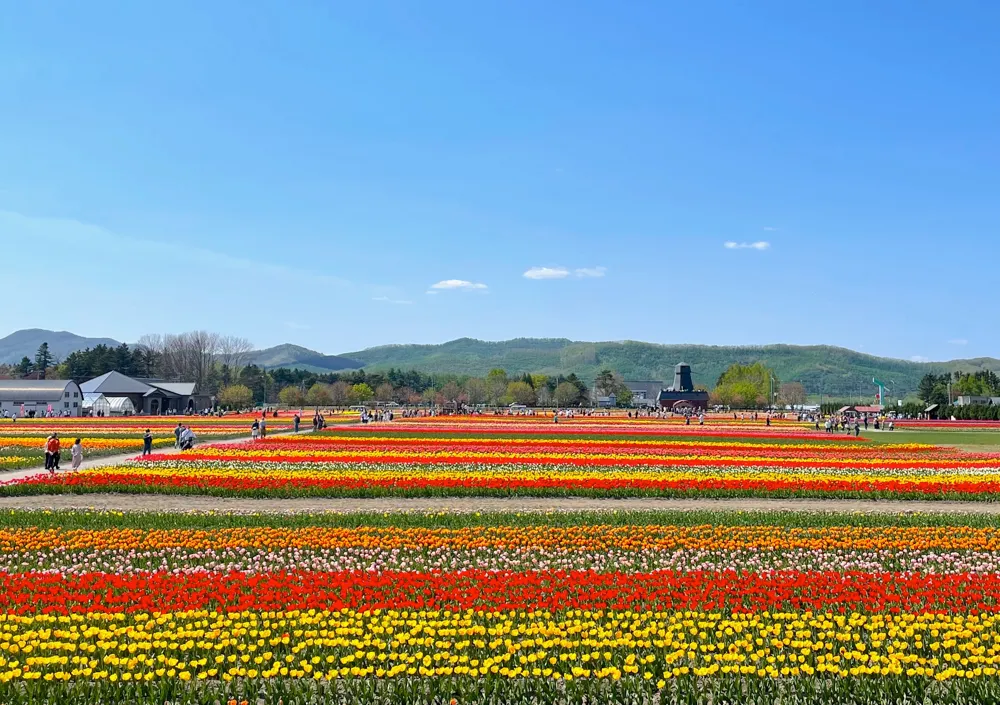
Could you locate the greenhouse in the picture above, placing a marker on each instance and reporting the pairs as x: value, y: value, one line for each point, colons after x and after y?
x: 96, y: 405
x: 121, y: 406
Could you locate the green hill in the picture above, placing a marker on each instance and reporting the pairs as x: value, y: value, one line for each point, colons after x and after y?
x: 295, y: 356
x: 823, y: 369
x: 61, y: 343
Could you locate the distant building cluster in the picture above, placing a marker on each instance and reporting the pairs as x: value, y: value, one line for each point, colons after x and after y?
x: 111, y: 394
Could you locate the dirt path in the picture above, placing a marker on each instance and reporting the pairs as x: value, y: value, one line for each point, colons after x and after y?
x: 177, y: 503
x: 107, y: 460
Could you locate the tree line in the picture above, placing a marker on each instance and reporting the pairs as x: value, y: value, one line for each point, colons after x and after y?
x: 219, y: 365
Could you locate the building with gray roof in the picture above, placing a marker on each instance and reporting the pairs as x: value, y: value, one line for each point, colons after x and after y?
x: 37, y: 397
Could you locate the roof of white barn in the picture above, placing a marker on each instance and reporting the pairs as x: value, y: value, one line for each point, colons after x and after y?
x: 114, y: 384
x: 27, y: 390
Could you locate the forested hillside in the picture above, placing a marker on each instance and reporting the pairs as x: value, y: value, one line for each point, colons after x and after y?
x: 822, y: 369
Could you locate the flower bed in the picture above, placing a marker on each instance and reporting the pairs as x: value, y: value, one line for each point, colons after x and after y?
x: 472, y: 458
x: 697, y: 608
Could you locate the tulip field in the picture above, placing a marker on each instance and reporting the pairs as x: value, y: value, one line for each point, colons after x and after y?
x: 685, y: 607
x: 21, y: 441
x: 528, y: 456
x: 655, y: 607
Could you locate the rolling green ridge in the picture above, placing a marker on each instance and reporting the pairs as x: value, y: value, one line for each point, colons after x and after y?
x: 288, y: 355
x: 823, y: 369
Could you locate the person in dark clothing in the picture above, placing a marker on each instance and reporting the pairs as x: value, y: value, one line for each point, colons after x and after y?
x: 147, y: 443
x: 295, y: 421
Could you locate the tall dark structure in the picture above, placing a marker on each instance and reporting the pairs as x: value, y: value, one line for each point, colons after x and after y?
x: 682, y: 379
x: 681, y: 394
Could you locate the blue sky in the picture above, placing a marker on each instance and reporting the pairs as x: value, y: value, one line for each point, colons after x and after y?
x: 343, y: 175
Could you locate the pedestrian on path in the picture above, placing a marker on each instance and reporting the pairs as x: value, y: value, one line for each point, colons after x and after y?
x: 76, y: 454
x: 296, y: 421
x: 147, y: 443
x: 255, y: 430
x: 52, y: 453
x: 263, y: 428
x: 177, y: 435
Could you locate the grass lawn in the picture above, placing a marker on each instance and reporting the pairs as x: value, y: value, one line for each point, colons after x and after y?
x: 975, y: 441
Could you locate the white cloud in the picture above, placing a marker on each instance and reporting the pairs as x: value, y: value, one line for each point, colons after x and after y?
x: 919, y: 358
x: 458, y: 284
x: 386, y: 299
x: 759, y: 245
x: 546, y: 273
x: 958, y: 341
x: 769, y: 229
x: 562, y: 272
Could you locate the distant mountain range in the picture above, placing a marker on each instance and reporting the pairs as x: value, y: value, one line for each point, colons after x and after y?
x: 297, y: 357
x: 823, y: 369
x: 61, y: 343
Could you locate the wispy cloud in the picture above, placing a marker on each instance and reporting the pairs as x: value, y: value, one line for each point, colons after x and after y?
x: 958, y: 341
x: 66, y: 231
x: 457, y: 285
x: 919, y: 358
x: 387, y: 300
x: 769, y: 229
x: 563, y: 272
x: 759, y: 245
x: 546, y: 273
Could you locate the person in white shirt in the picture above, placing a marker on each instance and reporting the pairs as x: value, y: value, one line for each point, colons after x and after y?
x: 76, y: 454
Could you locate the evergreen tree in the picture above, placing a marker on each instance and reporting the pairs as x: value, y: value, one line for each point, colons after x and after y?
x: 43, y: 360
x: 24, y: 367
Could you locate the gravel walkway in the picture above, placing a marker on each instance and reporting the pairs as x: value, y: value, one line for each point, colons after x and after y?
x: 177, y: 503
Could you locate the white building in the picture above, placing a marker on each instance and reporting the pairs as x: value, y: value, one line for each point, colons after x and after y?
x: 40, y: 396
x: 96, y: 405
x: 121, y: 406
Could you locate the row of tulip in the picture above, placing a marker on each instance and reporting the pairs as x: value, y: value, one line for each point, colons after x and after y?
x: 449, y: 609
x: 662, y: 608
x: 682, y: 477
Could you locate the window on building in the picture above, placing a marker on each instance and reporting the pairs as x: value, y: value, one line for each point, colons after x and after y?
x: 76, y: 395
x: 74, y: 405
x: 66, y: 404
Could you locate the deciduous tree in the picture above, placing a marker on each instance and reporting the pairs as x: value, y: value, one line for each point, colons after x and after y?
x: 236, y: 396
x: 318, y: 395
x: 522, y: 393
x: 567, y: 394
x: 292, y: 397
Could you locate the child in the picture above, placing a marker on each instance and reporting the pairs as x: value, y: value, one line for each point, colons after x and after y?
x: 76, y: 454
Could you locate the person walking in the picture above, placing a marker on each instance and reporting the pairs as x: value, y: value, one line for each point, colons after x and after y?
x: 76, y: 454
x: 255, y: 430
x: 177, y: 435
x: 295, y: 422
x: 147, y: 443
x: 53, y: 450
x: 263, y: 428
x: 48, y: 453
